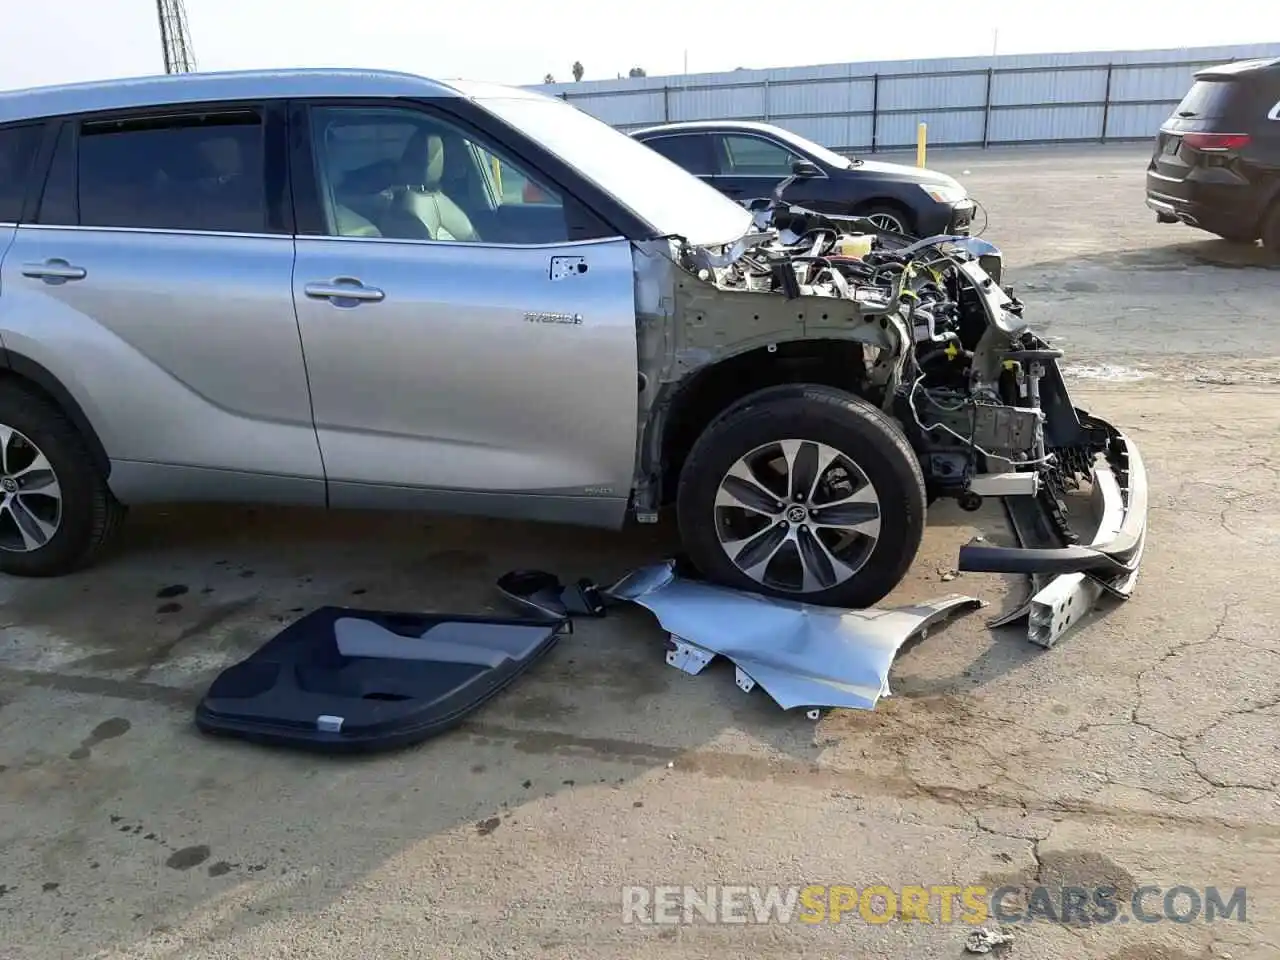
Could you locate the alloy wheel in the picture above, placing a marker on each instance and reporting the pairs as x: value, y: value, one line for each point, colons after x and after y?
x: 797, y: 516
x: 30, y: 496
x: 887, y: 222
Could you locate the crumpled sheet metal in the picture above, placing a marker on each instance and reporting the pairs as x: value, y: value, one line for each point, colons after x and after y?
x: 802, y: 655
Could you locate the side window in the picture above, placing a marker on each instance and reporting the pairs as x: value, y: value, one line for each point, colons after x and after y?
x: 510, y: 187
x: 196, y: 172
x: 691, y: 152
x: 756, y: 157
x: 17, y: 151
x: 403, y: 174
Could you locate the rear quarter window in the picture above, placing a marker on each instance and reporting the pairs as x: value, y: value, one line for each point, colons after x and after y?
x: 1228, y: 101
x: 17, y: 156
x: 1212, y: 99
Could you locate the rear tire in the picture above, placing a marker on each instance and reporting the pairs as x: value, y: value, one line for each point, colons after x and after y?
x: 1237, y: 235
x: 867, y: 459
x: 1271, y: 229
x: 56, y: 511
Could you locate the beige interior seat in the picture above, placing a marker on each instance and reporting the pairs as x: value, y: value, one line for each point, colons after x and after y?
x: 351, y: 224
x: 423, y: 167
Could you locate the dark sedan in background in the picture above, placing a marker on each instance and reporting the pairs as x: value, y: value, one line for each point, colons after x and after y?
x: 746, y: 161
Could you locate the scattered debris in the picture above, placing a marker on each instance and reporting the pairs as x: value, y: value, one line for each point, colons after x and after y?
x: 987, y: 939
x: 1112, y: 372
x: 544, y: 594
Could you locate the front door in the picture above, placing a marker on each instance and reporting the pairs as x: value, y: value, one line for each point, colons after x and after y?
x: 464, y: 354
x: 750, y: 166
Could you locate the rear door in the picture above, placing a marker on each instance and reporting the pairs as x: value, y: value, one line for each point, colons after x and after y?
x: 750, y: 166
x: 155, y: 283
x: 692, y: 151
x: 18, y: 146
x: 469, y: 328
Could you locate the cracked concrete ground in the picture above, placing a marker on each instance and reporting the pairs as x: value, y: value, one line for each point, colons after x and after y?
x: 1143, y: 751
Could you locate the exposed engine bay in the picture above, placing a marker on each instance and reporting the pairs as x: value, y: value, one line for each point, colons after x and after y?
x: 962, y: 373
x: 948, y: 354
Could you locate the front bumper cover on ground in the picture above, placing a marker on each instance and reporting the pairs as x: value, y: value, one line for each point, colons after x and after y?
x: 1068, y: 579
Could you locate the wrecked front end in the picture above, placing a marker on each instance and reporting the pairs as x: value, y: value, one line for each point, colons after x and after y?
x: 945, y: 350
x: 1073, y: 485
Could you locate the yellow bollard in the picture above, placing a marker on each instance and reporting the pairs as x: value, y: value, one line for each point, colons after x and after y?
x: 921, y: 136
x: 497, y: 175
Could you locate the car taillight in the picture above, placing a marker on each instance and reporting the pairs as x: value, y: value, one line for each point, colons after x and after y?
x: 1215, y: 142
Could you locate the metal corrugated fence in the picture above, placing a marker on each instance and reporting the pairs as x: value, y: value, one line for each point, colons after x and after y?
x: 972, y: 101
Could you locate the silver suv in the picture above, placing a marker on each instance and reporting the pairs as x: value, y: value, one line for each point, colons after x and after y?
x: 371, y: 290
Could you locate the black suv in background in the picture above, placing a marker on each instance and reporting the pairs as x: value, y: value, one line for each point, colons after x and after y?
x: 1216, y: 163
x: 746, y: 161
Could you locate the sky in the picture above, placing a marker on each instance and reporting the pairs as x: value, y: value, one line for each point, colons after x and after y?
x: 520, y: 41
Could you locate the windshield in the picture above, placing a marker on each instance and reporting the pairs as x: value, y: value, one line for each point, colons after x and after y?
x: 658, y: 191
x: 829, y: 157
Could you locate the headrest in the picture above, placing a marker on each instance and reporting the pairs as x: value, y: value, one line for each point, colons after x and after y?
x: 423, y: 160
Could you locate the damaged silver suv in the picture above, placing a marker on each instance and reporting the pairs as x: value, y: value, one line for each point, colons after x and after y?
x: 371, y: 290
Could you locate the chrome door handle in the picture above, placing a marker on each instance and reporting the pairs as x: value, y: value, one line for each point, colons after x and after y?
x: 54, y: 269
x: 343, y: 288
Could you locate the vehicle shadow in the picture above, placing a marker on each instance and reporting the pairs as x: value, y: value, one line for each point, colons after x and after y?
x: 1173, y: 257
x: 255, y: 835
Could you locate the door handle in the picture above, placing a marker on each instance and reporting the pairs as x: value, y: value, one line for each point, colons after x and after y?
x: 54, y: 269
x: 343, y: 288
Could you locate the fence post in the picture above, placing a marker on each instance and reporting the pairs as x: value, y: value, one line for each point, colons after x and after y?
x: 986, y: 110
x: 1106, y: 105
x: 666, y: 103
x: 875, y: 112
x: 764, y: 96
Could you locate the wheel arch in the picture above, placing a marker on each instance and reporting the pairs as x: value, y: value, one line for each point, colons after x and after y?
x: 696, y: 403
x: 1270, y: 210
x: 18, y: 367
x: 895, y: 204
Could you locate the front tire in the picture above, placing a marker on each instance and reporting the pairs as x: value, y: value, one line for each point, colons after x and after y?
x: 889, y: 218
x: 804, y: 492
x: 56, y: 510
